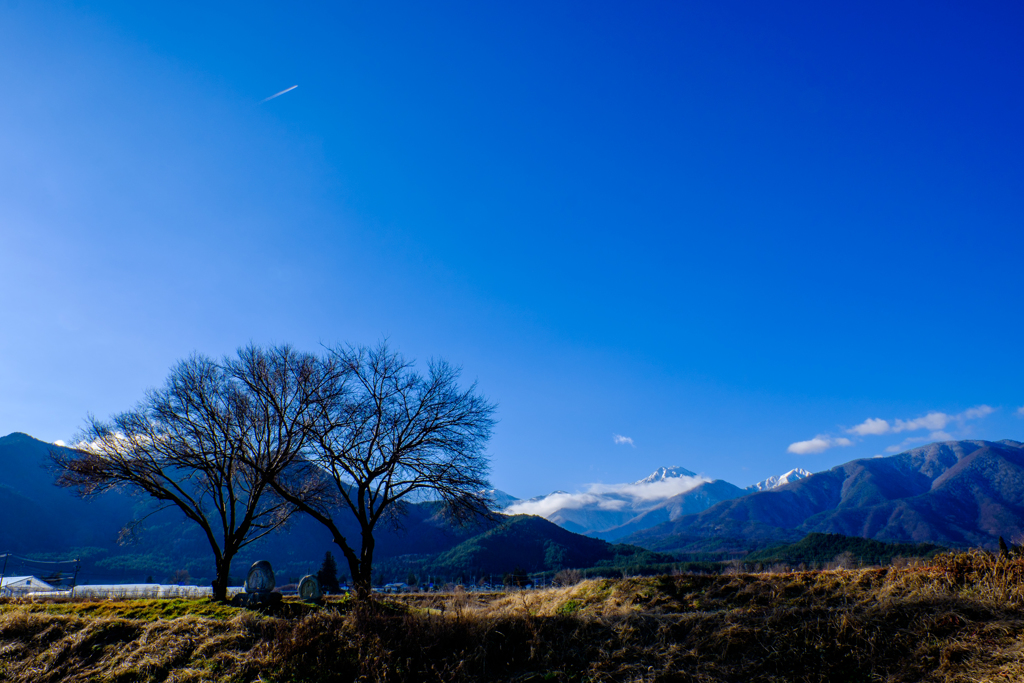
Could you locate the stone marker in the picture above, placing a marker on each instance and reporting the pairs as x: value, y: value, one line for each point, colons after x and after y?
x: 309, y: 588
x: 260, y: 578
x: 259, y: 587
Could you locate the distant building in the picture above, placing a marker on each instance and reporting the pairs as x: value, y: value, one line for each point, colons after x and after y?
x: 14, y: 586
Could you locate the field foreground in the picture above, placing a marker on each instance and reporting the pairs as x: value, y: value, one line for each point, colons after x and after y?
x: 961, y: 619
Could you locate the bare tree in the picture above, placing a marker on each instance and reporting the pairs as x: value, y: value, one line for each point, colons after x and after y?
x: 389, y: 438
x: 210, y: 444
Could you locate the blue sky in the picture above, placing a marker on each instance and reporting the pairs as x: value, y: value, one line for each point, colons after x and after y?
x: 715, y: 228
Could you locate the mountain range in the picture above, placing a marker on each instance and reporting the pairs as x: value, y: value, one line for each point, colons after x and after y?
x: 43, y: 523
x: 616, y: 511
x: 956, y: 493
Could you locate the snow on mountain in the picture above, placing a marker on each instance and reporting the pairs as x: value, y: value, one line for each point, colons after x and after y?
x: 663, y: 473
x: 610, y: 511
x: 775, y: 482
x: 953, y: 493
x: 499, y: 499
x: 607, y: 506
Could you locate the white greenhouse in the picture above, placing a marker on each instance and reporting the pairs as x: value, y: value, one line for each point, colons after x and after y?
x: 14, y: 586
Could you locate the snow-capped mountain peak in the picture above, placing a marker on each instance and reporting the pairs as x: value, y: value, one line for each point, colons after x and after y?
x: 775, y: 482
x: 499, y: 499
x: 663, y: 473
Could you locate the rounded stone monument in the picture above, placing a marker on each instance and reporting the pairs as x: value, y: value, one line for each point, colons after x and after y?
x: 309, y: 589
x: 260, y: 578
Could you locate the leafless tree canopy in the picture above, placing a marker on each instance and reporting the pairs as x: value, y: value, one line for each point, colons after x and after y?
x: 391, y: 437
x: 240, y: 445
x: 210, y: 442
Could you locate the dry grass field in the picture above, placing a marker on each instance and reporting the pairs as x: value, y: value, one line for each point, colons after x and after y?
x: 961, y: 618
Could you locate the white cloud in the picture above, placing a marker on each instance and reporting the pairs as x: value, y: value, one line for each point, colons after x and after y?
x: 605, y: 496
x: 936, y: 421
x: 872, y: 425
x: 664, y: 488
x: 1020, y: 411
x: 60, y: 443
x: 978, y: 411
x: 817, y: 445
x: 932, y: 421
x: 550, y: 504
x: 620, y: 440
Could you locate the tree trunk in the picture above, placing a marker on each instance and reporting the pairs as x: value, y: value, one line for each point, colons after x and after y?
x: 362, y: 583
x: 361, y: 567
x: 220, y: 583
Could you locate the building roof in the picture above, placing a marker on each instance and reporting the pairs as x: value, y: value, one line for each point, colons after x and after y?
x: 29, y: 582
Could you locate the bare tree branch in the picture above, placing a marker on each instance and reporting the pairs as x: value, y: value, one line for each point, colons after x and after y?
x: 209, y: 442
x: 388, y: 437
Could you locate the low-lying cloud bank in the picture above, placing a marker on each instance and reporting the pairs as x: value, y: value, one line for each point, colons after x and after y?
x: 607, y: 496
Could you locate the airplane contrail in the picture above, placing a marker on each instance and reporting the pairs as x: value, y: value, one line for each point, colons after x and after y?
x: 280, y: 93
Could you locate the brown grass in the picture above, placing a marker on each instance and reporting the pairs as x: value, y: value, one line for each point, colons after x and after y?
x: 959, y: 619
